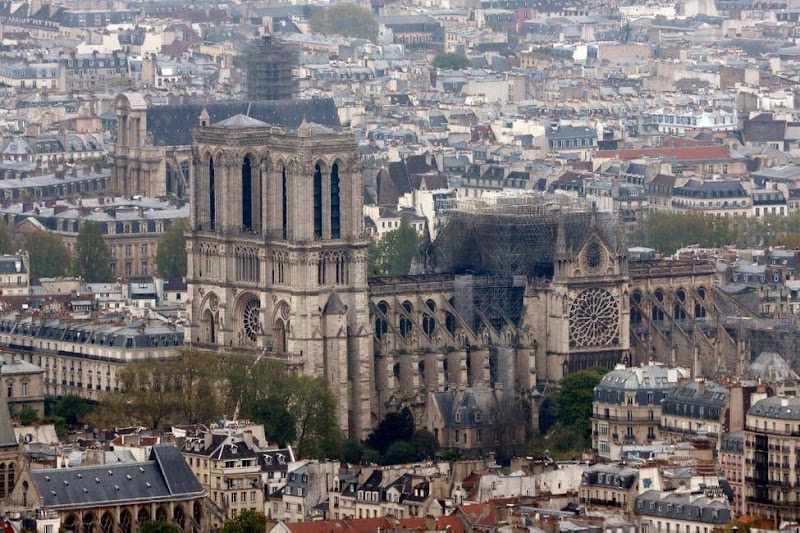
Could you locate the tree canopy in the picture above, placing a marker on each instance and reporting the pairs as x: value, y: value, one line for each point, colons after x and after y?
x: 573, y: 401
x: 171, y: 253
x: 394, y: 427
x: 158, y: 393
x: 48, y: 256
x: 667, y: 232
x: 92, y: 256
x: 348, y: 20
x: 451, y: 61
x: 392, y: 255
x: 246, y: 522
x: 200, y: 386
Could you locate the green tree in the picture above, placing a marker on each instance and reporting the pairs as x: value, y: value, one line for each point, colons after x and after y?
x: 348, y: 20
x: 279, y: 424
x: 92, y: 256
x: 246, y: 522
x: 314, y: 407
x: 451, y: 61
x: 573, y: 401
x: 294, y: 409
x: 171, y: 254
x: 158, y: 527
x: 394, y: 427
x: 353, y: 451
x: 400, y: 452
x: 396, y: 251
x: 26, y: 416
x: 73, y: 409
x: 425, y: 444
x: 160, y: 392
x: 48, y: 256
x: 374, y: 259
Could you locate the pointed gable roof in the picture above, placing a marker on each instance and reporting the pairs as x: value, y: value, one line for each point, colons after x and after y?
x: 7, y: 437
x: 334, y: 306
x: 240, y: 121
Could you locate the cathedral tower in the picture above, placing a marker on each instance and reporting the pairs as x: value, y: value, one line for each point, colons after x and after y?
x: 277, y: 256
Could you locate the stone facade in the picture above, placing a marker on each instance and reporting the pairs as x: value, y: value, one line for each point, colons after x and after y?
x: 277, y: 257
x: 772, y: 459
x: 24, y: 384
x: 277, y: 265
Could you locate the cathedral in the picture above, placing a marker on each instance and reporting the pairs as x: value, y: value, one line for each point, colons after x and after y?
x: 515, y: 295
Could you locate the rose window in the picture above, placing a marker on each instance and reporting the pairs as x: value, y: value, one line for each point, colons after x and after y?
x: 251, y: 319
x: 593, y: 259
x: 594, y: 319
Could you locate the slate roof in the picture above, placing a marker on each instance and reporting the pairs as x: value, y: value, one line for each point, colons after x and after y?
x: 171, y: 125
x: 334, y: 306
x: 165, y: 477
x: 611, y: 475
x: 8, y: 264
x: 682, y: 506
x: 693, y: 399
x: 778, y: 407
x: 7, y: 437
x: 764, y: 131
x: 636, y: 378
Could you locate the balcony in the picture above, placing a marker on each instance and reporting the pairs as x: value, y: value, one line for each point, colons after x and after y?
x: 623, y: 420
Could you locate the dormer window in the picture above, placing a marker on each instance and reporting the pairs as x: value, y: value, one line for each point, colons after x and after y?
x: 458, y: 415
x: 268, y: 459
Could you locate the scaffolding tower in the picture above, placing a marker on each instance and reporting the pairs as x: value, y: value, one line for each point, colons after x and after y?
x: 269, y: 70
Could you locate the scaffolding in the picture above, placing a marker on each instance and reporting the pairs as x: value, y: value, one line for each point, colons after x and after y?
x: 500, y: 245
x: 269, y: 70
x: 507, y: 236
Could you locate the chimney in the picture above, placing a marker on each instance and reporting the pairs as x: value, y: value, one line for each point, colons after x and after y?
x: 101, y: 200
x: 74, y: 172
x: 247, y: 437
x: 701, y: 386
x: 60, y: 174
x: 59, y: 208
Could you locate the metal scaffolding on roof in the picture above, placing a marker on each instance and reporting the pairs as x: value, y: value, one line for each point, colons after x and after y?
x: 500, y: 245
x: 507, y: 236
